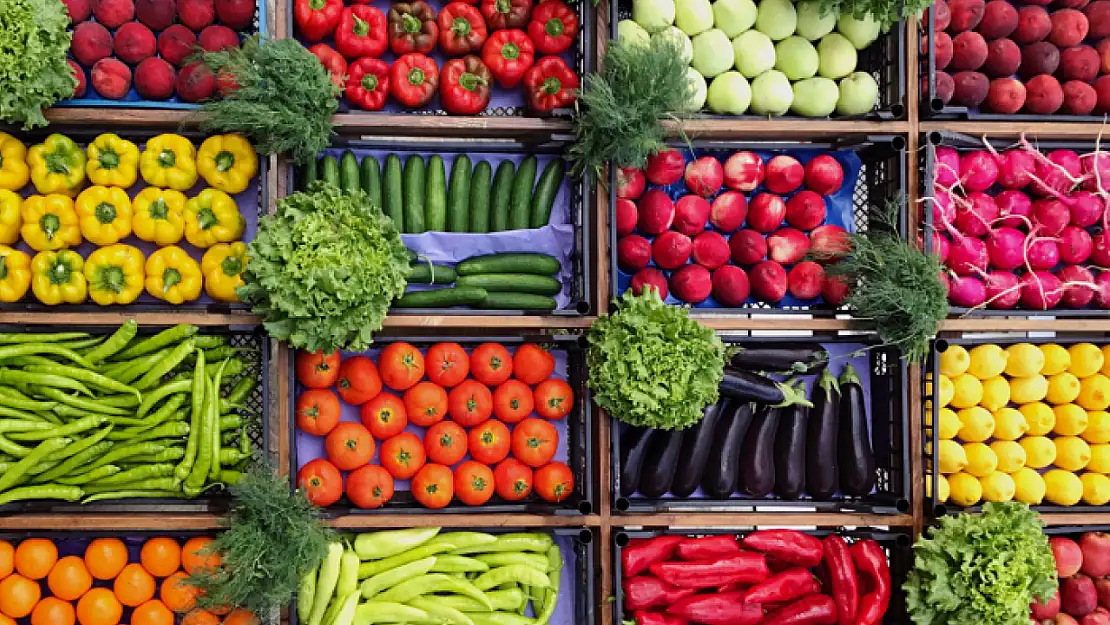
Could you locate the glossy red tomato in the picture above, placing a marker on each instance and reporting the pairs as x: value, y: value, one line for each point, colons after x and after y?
x: 401, y: 365
x: 447, y: 364
x: 317, y: 411
x: 349, y: 446
x: 369, y: 486
x: 473, y: 483
x: 403, y: 455
x: 489, y: 442
x: 445, y: 443
x: 512, y: 401
x: 317, y: 369
x: 384, y: 415
x: 491, y: 364
x: 534, y: 442
x: 554, y: 481
x: 532, y: 364
x: 433, y: 486
x: 321, y: 482
x: 513, y: 480
x: 359, y: 381
x: 554, y: 398
x: 470, y: 403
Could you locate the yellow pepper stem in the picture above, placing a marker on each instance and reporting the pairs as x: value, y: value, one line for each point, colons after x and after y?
x: 61, y: 272
x: 3, y: 268
x: 50, y: 224
x: 167, y: 158
x: 207, y: 218
x: 159, y: 209
x: 232, y: 266
x: 111, y: 278
x: 105, y: 212
x: 108, y: 158
x: 225, y: 161
x: 56, y: 163
x: 170, y: 277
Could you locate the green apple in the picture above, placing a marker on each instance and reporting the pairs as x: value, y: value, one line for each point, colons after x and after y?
x: 653, y: 15
x: 815, y: 97
x: 859, y: 93
x: 837, y: 56
x: 729, y: 94
x: 712, y: 53
x: 754, y: 52
x: 685, y: 47
x: 776, y: 19
x: 696, y: 91
x: 811, y: 23
x: 734, y: 16
x: 771, y: 93
x: 796, y: 57
x: 693, y: 16
x: 861, y: 32
x: 630, y: 31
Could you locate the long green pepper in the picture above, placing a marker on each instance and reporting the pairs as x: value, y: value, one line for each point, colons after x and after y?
x: 86, y: 376
x: 88, y: 405
x: 195, y: 481
x: 74, y: 448
x: 214, y: 437
x: 75, y: 461
x: 165, y: 366
x: 169, y: 336
x: 12, y: 376
x: 185, y: 468
x: 19, y: 472
x: 116, y: 342
x: 181, y: 386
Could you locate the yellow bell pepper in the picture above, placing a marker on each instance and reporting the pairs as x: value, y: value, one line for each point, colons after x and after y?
x: 14, y: 172
x: 57, y: 165
x: 158, y: 215
x: 49, y: 222
x: 104, y: 214
x: 212, y: 217
x: 115, y: 274
x: 10, y: 221
x: 169, y: 162
x: 223, y: 266
x: 113, y: 162
x: 15, y: 274
x: 173, y: 276
x: 58, y: 278
x: 227, y: 162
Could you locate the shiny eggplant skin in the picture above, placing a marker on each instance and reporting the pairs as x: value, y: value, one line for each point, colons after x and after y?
x: 723, y: 465
x: 856, y: 458
x: 634, y: 445
x: 797, y: 358
x: 821, y: 439
x: 790, y: 451
x: 660, y: 463
x: 696, y: 443
x: 757, y: 454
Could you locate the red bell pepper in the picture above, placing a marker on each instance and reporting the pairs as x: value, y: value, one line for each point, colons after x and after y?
x: 316, y: 19
x: 412, y: 27
x: 842, y: 579
x: 551, y: 84
x: 553, y: 27
x: 413, y: 79
x: 462, y: 29
x: 655, y: 618
x: 361, y: 32
x: 704, y: 547
x: 368, y: 83
x: 501, y: 14
x: 746, y: 567
x: 786, y: 586
x: 811, y: 610
x: 508, y: 54
x: 720, y: 609
x: 465, y: 86
x: 870, y: 561
x: 332, y: 61
x: 641, y: 553
x: 645, y: 591
x: 788, y: 545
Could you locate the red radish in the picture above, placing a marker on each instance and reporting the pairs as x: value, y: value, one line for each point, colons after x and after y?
x: 1006, y: 248
x: 769, y: 282
x: 671, y: 250
x: 630, y: 183
x: 978, y: 170
x: 1043, y: 254
x: 805, y: 279
x: 940, y: 246
x: 968, y: 258
x: 1100, y: 251
x: 1102, y: 290
x: 787, y: 245
x: 942, y: 278
x: 652, y: 278
x: 766, y: 212
x: 806, y: 209
x: 656, y: 212
x: 704, y: 176
x: 626, y: 216
x: 1002, y: 290
x: 976, y: 218
x: 784, y: 174
x: 665, y: 167
x: 743, y: 171
x: 830, y: 241
x: 1086, y: 209
x: 824, y: 175
x: 1051, y: 215
x: 728, y: 211
x: 834, y: 290
x: 1040, y: 290
x: 1078, y: 286
x: 944, y: 211
x: 1075, y: 245
x: 633, y: 252
x: 748, y: 247
x: 1014, y: 169
x: 730, y: 286
x: 692, y: 284
x: 966, y: 292
x: 947, y: 165
x: 691, y: 212
x: 711, y: 250
x: 1015, y: 207
x: 1096, y: 169
x: 1056, y: 173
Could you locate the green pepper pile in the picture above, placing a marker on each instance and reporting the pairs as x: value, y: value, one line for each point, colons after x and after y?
x: 92, y: 418
x: 423, y: 576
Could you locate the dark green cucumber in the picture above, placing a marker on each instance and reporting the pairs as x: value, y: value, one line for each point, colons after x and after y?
x: 348, y: 172
x: 458, y: 195
x: 479, y: 197
x: 370, y: 175
x: 546, y: 190
x: 393, y: 194
x: 435, y: 197
x: 538, y: 264
x: 441, y: 298
x: 501, y: 196
x: 414, y: 194
x: 521, y: 205
x: 512, y: 283
x: 329, y: 171
x: 425, y: 273
x: 308, y: 174
x: 517, y: 301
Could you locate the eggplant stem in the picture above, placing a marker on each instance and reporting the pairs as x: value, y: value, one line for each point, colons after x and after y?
x: 849, y: 376
x: 792, y: 396
x: 828, y: 382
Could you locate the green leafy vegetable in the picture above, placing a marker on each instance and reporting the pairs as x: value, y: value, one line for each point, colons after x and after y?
x: 983, y: 568
x: 324, y: 269
x: 284, y: 100
x: 33, y: 69
x: 651, y: 365
x: 885, y: 12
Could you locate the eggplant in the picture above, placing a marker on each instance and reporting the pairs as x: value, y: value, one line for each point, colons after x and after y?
x: 634, y: 444
x: 723, y: 463
x: 797, y: 358
x: 857, y: 461
x: 757, y: 454
x: 790, y: 450
x: 821, y: 471
x: 748, y: 386
x: 696, y: 442
x: 660, y: 463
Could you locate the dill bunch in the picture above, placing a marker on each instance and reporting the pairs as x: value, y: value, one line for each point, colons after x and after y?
x: 620, y: 109
x: 285, y: 98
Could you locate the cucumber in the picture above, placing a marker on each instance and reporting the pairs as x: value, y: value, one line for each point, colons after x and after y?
x: 370, y: 175
x: 537, y: 264
x: 348, y: 172
x: 458, y: 195
x: 435, y: 199
x: 392, y: 192
x: 329, y: 170
x: 546, y: 190
x: 512, y: 283
x: 424, y: 273
x: 479, y: 197
x: 414, y: 194
x: 517, y: 301
x: 520, y: 206
x: 308, y: 174
x: 501, y: 196
x: 441, y: 298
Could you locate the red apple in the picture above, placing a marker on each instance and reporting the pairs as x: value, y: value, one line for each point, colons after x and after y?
x: 1102, y: 587
x: 784, y: 174
x: 656, y: 212
x: 830, y: 240
x: 626, y: 216
x: 704, y: 176
x: 1101, y: 616
x: 1041, y: 611
x: 666, y: 167
x: 824, y: 174
x: 1077, y: 595
x: 630, y: 183
x: 728, y: 211
x: 743, y: 171
x: 1069, y: 557
x: 766, y: 212
x: 1095, y: 547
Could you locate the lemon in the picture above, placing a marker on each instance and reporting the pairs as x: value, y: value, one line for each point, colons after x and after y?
x: 981, y: 461
x: 964, y: 490
x: 943, y: 490
x: 1100, y: 458
x: 1056, y: 359
x: 997, y: 487
x: 954, y: 361
x: 1094, y: 392
x: 976, y: 424
x: 967, y: 391
x: 1063, y: 388
x: 996, y: 393
x: 1028, y: 486
x: 1062, y: 488
x: 1096, y: 489
x: 1009, y: 424
x: 1098, y: 427
x: 1072, y: 453
x: 1086, y: 359
x: 1011, y: 455
x: 1039, y: 418
x: 987, y: 361
x: 1105, y: 360
x: 1039, y: 451
x: 951, y: 457
x: 946, y: 391
x: 1028, y: 390
x: 950, y: 423
x: 1071, y: 420
x: 1024, y: 360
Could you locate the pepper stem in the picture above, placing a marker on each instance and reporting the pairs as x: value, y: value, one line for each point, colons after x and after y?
x: 105, y: 212
x: 60, y: 273
x: 554, y: 27
x: 317, y: 5
x: 460, y: 26
x: 206, y: 218
x: 471, y: 82
x: 111, y: 278
x: 167, y: 158
x: 510, y: 51
x: 108, y: 159
x: 159, y: 209
x: 416, y: 76
x: 410, y: 23
x: 552, y: 85
x: 50, y: 224
x: 225, y: 161
x: 503, y: 6
x: 232, y: 266
x: 170, y: 277
x: 3, y: 267
x: 56, y: 163
x: 369, y: 82
x: 361, y: 27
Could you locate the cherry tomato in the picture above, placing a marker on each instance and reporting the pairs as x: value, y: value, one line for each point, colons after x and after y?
x: 402, y: 366
x: 489, y: 442
x: 554, y: 398
x: 317, y: 369
x: 317, y: 411
x: 359, y: 381
x: 532, y: 364
x: 554, y: 481
x: 349, y: 446
x: 447, y: 364
x: 433, y: 486
x: 426, y: 404
x: 491, y: 364
x: 473, y: 483
x: 512, y: 401
x: 321, y: 482
x: 402, y: 455
x: 512, y: 480
x: 384, y: 415
x: 534, y: 442
x: 470, y: 403
x: 445, y: 443
x: 369, y: 486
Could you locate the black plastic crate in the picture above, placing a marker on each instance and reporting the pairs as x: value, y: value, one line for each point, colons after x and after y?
x: 882, y: 177
x: 578, y: 436
x: 885, y: 375
x: 213, y: 500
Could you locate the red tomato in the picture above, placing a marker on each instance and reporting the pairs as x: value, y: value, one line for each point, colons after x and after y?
x: 321, y: 482
x: 473, y: 483
x: 470, y: 403
x: 512, y: 401
x: 359, y: 381
x: 513, y: 480
x: 489, y: 443
x: 491, y: 364
x: 426, y: 404
x: 447, y: 364
x: 433, y: 486
x: 554, y: 398
x: 554, y: 482
x: 349, y: 446
x: 369, y: 486
x: 317, y: 411
x: 402, y: 455
x: 402, y: 365
x: 317, y: 369
x: 384, y: 415
x: 445, y: 443
x: 532, y: 364
x: 534, y: 442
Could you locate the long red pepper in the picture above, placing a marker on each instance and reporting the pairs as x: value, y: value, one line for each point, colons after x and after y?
x: 645, y: 591
x: 746, y: 567
x: 788, y: 545
x: 870, y: 561
x: 718, y: 609
x: 707, y: 547
x: 786, y: 586
x: 657, y: 618
x: 811, y: 610
x: 643, y: 552
x: 842, y: 578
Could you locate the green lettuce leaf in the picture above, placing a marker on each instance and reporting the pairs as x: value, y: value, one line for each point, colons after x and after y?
x: 33, y: 71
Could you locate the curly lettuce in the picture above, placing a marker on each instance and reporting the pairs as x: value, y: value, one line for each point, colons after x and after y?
x: 651, y: 365
x: 33, y: 71
x: 323, y: 270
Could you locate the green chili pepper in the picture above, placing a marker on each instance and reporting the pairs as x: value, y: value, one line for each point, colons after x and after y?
x: 367, y: 569
x: 12, y: 397
x: 27, y: 361
x: 126, y: 451
x: 210, y: 341
x: 372, y: 612
x: 44, y: 491
x: 16, y: 475
x: 465, y: 540
x: 10, y: 351
x: 554, y: 576
x: 69, y: 429
x: 325, y: 585
x: 214, y: 436
x: 164, y: 338
x: 439, y: 612
x: 96, y: 474
x: 511, y: 600
x: 230, y: 421
x: 17, y: 425
x: 519, y: 573
x: 88, y: 405
x: 196, y: 417
x: 306, y: 593
x: 234, y: 367
x: 161, y: 483
x: 138, y: 474
x: 83, y: 344
x: 348, y: 574
x: 88, y: 377
x: 12, y: 376
x: 378, y: 545
x: 152, y: 398
x: 393, y: 577
x: 15, y: 413
x: 244, y: 442
x: 230, y: 478
x: 458, y: 564
x: 166, y: 365
x: 242, y: 390
x: 512, y: 542
x: 230, y: 456
x: 164, y: 413
x: 537, y: 561
x: 13, y: 449
x: 79, y: 459
x: 438, y: 582
x: 498, y: 618
x: 208, y: 420
x: 74, y: 448
x: 116, y: 342
x: 136, y: 368
x: 119, y: 401
x: 134, y: 494
x: 172, y: 454
x: 19, y: 337
x: 173, y: 429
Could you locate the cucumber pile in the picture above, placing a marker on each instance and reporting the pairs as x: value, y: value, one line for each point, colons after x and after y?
x: 419, y: 198
x: 509, y: 281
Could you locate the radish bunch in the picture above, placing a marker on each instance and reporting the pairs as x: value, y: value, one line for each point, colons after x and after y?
x: 1023, y: 228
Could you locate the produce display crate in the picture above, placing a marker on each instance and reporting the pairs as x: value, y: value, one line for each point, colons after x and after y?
x: 213, y: 500
x: 883, y: 376
x: 575, y: 433
x: 253, y: 204
x: 569, y: 238
x: 881, y: 177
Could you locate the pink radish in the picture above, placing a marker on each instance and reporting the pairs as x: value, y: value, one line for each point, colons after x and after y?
x: 976, y: 218
x: 1100, y: 251
x: 1056, y: 173
x: 1003, y: 291
x: 787, y: 245
x: 1051, y: 215
x: 968, y: 258
x: 1102, y: 290
x: 1096, y: 168
x: 1015, y: 207
x: 1006, y: 248
x: 1078, y: 290
x: 1014, y: 167
x: 1086, y: 209
x: 978, y: 170
x: 1043, y: 254
x: 940, y: 246
x: 944, y: 211
x: 947, y: 166
x: 966, y: 292
x: 1040, y: 290
x: 1075, y: 245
